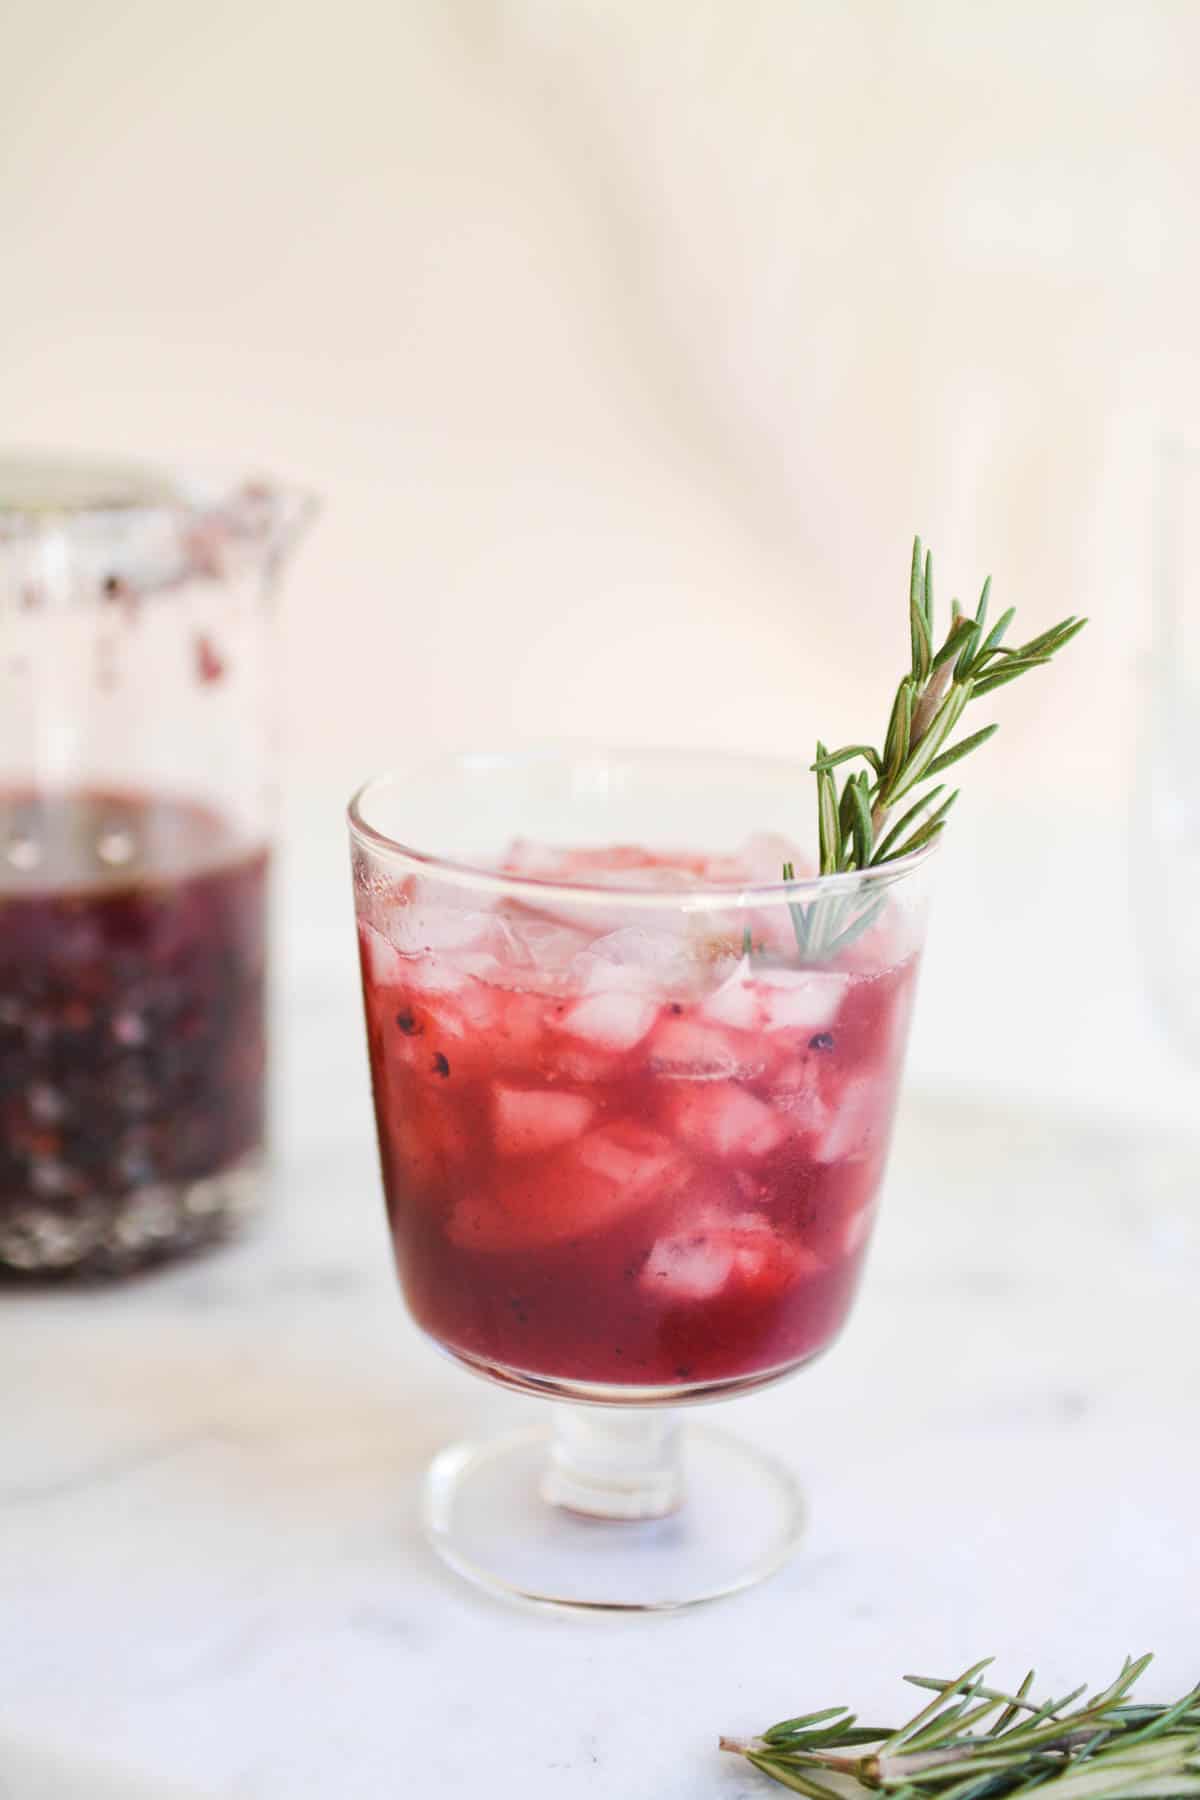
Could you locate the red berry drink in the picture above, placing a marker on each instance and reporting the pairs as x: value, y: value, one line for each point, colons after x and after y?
x: 627, y: 1155
x: 132, y: 1027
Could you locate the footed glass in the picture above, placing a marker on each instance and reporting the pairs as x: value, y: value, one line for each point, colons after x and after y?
x: 634, y: 1093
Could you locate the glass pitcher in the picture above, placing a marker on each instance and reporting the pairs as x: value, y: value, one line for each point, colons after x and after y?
x: 136, y: 802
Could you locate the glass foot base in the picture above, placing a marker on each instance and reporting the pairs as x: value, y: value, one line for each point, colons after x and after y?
x: 487, y: 1515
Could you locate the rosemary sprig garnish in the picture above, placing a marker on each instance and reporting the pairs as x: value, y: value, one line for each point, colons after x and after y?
x: 1107, y: 1748
x: 854, y: 819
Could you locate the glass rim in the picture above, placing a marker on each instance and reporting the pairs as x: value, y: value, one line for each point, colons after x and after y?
x: 692, y: 898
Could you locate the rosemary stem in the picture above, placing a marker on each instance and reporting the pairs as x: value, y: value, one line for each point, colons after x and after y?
x: 1103, y: 1748
x: 930, y: 700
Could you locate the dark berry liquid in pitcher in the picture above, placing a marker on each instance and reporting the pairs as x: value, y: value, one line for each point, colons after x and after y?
x: 132, y: 1028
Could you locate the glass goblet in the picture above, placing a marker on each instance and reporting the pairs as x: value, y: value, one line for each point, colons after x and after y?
x: 633, y: 1108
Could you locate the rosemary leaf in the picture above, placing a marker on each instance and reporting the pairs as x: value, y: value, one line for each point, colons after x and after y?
x: 860, y: 824
x: 922, y: 649
x: 830, y: 831
x: 1054, y: 639
x: 992, y: 641
x: 944, y: 720
x: 966, y: 655
x: 962, y: 748
x: 954, y: 643
x: 916, y: 605
x: 899, y: 727
x: 801, y: 1723
x: 841, y: 756
x: 1007, y: 672
x: 801, y: 914
x: 957, y: 1686
x: 846, y: 811
x: 1014, y: 1703
x: 791, y: 1778
x: 914, y: 812
x: 845, y: 935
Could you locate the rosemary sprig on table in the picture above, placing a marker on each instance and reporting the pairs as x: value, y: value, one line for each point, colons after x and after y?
x: 1106, y: 1748
x: 854, y: 819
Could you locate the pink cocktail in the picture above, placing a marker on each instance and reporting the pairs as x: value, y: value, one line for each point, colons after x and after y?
x: 633, y: 1099
x: 615, y: 1157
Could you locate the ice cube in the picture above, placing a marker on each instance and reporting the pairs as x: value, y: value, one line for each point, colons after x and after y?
x: 758, y: 862
x: 633, y: 1157
x: 684, y: 1048
x: 726, y: 870
x: 664, y: 876
x: 608, y: 865
x: 525, y: 856
x: 797, y: 1090
x: 586, y: 1186
x: 538, y: 950
x: 577, y: 914
x: 433, y: 927
x: 767, y: 999
x: 426, y: 914
x: 724, y: 1120
x: 772, y: 932
x: 433, y: 974
x: 635, y: 960
x: 714, y: 1251
x: 466, y: 1025
x: 736, y: 1001
x: 582, y: 869
x: 764, y: 854
x: 573, y: 1060
x: 799, y: 999
x: 528, y: 1120
x: 858, y: 1230
x: 859, y: 1116
x: 613, y: 1021
x: 692, y: 1266
x: 424, y: 1141
x: 466, y: 1009
x: 515, y: 1036
x: 383, y: 962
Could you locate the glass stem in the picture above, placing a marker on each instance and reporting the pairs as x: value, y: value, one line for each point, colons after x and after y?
x: 614, y: 1462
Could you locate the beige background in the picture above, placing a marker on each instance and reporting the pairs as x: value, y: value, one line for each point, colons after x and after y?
x: 628, y: 344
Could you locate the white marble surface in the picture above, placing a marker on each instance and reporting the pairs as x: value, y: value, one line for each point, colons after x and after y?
x: 211, y: 1578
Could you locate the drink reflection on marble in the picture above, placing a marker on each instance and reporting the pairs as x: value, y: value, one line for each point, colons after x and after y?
x: 631, y: 1138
